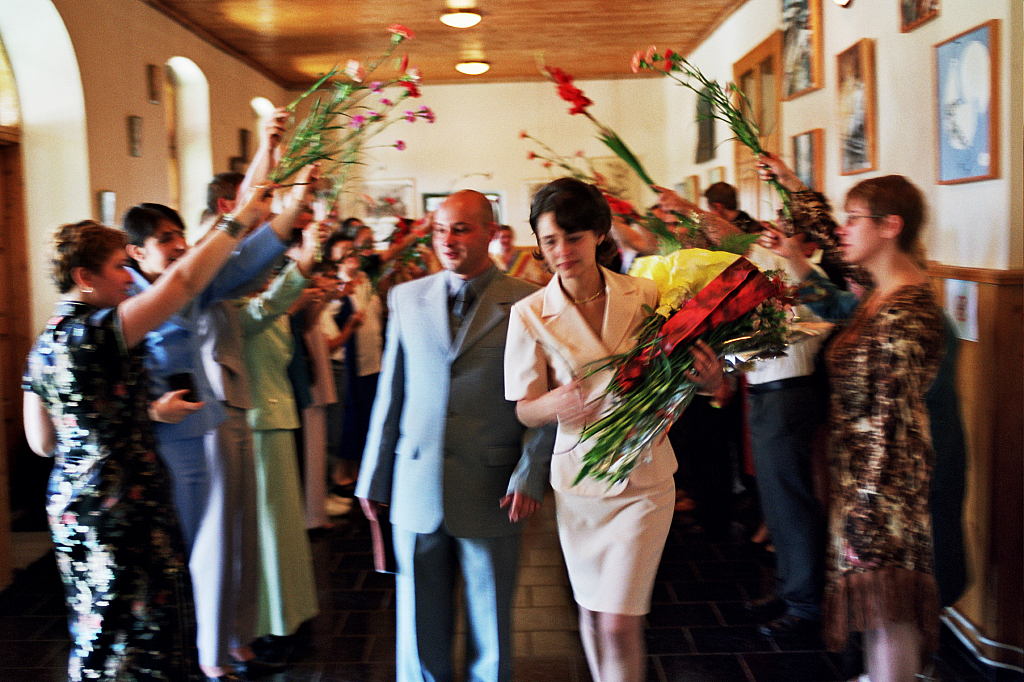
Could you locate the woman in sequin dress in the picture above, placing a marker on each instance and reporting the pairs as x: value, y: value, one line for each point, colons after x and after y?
x: 117, y: 538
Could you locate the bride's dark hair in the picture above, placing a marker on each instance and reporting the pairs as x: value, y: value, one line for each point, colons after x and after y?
x: 576, y: 207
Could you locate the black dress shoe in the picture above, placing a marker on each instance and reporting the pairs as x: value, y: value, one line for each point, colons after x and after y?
x: 765, y: 608
x: 790, y: 626
x: 253, y: 669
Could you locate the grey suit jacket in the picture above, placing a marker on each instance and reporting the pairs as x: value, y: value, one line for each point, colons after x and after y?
x: 444, y: 445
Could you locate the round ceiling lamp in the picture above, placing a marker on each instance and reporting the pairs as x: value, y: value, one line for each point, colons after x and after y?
x: 473, y: 67
x: 461, y: 18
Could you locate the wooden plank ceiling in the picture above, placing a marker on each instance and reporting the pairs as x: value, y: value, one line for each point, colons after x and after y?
x: 292, y: 41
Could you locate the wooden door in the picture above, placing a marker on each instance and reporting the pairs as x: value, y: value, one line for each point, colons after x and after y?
x: 15, y: 336
x: 759, y: 76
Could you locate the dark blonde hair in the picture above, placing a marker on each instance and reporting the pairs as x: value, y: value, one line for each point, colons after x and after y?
x: 86, y: 244
x: 895, y: 195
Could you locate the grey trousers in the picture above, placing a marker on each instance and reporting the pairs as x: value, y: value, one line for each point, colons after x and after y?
x: 782, y: 430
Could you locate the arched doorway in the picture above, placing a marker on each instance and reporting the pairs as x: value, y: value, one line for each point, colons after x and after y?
x: 191, y: 154
x: 49, y: 145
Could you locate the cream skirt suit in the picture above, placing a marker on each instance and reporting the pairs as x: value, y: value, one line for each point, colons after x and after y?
x: 612, y: 536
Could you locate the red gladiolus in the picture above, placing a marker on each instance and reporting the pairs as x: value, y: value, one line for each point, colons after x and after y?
x: 402, y: 31
x: 569, y: 92
x: 414, y: 90
x: 530, y: 156
x: 629, y: 375
x: 619, y: 206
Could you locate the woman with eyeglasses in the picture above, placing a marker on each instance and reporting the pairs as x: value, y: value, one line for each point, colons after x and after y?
x: 881, y: 364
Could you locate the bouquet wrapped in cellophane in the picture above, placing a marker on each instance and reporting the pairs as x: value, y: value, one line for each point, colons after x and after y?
x: 713, y: 296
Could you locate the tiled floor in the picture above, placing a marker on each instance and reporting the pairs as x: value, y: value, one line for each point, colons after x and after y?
x: 697, y: 629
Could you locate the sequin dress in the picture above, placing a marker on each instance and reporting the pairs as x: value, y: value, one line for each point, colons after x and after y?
x: 880, y: 544
x: 118, y: 543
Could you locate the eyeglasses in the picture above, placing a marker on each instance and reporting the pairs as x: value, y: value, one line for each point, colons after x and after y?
x: 850, y: 217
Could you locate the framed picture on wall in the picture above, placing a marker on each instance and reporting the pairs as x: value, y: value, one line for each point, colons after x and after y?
x: 857, y: 124
x: 620, y: 180
x: 432, y: 200
x: 913, y: 13
x: 385, y: 201
x: 716, y: 174
x: 689, y: 189
x: 801, y: 47
x: 967, y: 110
x: 808, y: 158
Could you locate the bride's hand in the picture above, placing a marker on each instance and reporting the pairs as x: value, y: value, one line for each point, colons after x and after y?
x: 571, y: 406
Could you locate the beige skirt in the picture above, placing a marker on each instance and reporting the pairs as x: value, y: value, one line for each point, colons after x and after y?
x: 613, y: 545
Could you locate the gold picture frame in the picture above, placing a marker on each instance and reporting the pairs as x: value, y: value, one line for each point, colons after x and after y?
x: 801, y: 48
x: 967, y: 106
x: 809, y: 158
x: 858, y: 133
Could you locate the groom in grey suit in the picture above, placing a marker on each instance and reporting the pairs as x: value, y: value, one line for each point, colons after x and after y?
x: 446, y: 452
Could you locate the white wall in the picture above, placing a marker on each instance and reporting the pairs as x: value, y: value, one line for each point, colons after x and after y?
x: 975, y: 224
x: 68, y: 159
x: 477, y: 131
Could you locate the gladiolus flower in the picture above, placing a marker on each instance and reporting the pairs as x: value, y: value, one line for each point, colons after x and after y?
x: 386, y: 102
x: 652, y: 51
x: 569, y: 92
x: 376, y: 86
x: 546, y: 164
x: 400, y: 145
x: 522, y: 135
x: 357, y: 122
x: 402, y: 31
x: 355, y: 71
x: 410, y: 116
x: 530, y: 156
x: 414, y: 90
x: 404, y: 64
x: 413, y: 72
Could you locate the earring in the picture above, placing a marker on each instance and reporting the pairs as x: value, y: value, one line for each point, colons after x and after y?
x: 86, y: 290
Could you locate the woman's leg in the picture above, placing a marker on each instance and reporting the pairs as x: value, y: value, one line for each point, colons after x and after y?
x: 893, y: 652
x: 616, y: 651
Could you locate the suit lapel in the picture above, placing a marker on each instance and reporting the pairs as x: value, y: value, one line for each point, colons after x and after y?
x: 618, y: 320
x: 565, y: 323
x: 435, y: 310
x: 486, y: 313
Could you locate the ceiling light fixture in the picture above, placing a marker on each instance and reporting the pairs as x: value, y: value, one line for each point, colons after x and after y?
x: 461, y: 18
x: 473, y: 67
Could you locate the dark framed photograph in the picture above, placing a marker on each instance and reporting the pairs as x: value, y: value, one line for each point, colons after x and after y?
x: 967, y: 110
x: 135, y: 135
x: 913, y: 13
x: 431, y: 200
x: 808, y: 158
x: 801, y: 47
x: 857, y: 125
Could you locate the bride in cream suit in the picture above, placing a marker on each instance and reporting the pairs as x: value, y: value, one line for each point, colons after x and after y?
x: 612, y: 536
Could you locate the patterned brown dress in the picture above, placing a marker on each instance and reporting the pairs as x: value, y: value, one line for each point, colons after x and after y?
x: 880, y: 549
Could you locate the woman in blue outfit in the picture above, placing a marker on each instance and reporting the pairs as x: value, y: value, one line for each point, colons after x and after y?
x: 118, y: 544
x: 156, y: 240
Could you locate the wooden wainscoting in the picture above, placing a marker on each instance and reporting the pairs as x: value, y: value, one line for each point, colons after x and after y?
x: 990, y: 378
